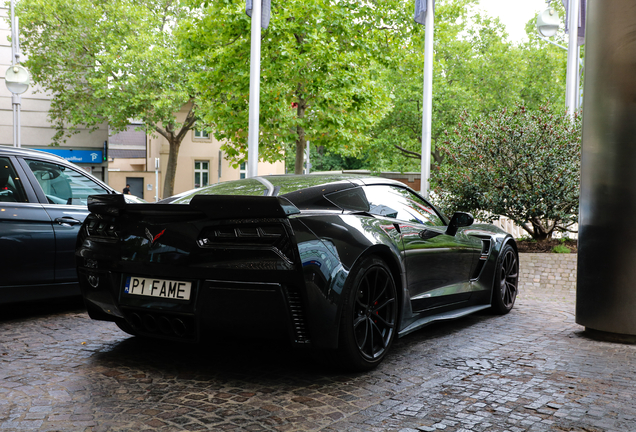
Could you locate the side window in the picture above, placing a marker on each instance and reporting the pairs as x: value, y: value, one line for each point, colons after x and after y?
x: 62, y: 185
x: 350, y: 199
x: 401, y: 204
x: 11, y: 189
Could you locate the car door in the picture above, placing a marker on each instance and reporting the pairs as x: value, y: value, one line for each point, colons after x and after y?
x: 64, y: 192
x: 27, y: 241
x: 438, y: 265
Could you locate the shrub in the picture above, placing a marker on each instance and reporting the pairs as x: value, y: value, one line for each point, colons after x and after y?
x: 517, y: 163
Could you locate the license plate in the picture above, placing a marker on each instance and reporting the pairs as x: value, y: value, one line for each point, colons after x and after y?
x: 150, y: 287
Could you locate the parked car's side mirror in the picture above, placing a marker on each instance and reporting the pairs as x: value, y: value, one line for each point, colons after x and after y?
x: 459, y: 219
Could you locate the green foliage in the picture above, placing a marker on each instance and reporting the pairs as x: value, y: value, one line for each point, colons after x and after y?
x: 110, y: 61
x: 319, y: 79
x: 519, y: 163
x: 476, y: 69
x: 561, y: 249
x: 324, y: 160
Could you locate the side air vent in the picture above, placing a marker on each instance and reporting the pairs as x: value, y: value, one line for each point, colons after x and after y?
x: 485, y: 249
x: 301, y: 335
x: 483, y: 257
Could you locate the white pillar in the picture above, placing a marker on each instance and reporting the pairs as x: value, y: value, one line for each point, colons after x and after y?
x: 427, y: 99
x: 572, y: 78
x: 255, y: 89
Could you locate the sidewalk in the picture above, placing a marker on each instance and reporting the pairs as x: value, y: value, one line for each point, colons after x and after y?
x: 533, y: 370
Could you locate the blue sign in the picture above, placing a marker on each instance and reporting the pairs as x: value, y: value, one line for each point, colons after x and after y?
x: 78, y: 156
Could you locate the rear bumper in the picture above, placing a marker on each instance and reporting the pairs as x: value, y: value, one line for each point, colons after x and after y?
x: 216, y: 307
x: 253, y: 290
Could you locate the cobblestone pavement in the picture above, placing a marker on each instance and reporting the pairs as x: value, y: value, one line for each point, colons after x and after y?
x: 531, y: 370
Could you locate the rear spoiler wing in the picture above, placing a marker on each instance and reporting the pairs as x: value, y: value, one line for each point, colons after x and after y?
x: 212, y: 206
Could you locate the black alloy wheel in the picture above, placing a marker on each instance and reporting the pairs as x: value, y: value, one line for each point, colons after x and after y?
x: 370, y: 312
x: 506, y: 281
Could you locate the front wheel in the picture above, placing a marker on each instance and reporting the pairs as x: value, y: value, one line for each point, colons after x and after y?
x: 505, y: 287
x: 369, y: 318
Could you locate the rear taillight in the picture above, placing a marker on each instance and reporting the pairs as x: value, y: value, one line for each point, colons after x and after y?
x: 101, y: 227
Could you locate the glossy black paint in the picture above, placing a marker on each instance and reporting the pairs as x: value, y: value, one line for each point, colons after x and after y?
x: 37, y: 237
x: 281, y: 264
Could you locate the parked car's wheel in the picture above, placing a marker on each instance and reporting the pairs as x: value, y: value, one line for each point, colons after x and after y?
x: 369, y: 319
x: 506, y: 281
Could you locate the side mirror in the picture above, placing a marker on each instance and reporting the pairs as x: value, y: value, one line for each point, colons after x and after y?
x: 459, y: 219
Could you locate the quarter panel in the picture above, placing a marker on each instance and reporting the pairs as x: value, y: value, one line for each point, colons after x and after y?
x: 329, y: 246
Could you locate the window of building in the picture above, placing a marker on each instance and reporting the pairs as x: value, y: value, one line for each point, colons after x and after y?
x: 201, y: 134
x: 201, y: 173
x: 243, y: 170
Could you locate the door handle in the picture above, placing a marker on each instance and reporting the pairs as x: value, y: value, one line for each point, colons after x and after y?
x: 67, y: 221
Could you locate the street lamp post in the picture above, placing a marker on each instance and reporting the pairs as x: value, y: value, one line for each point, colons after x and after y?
x: 548, y: 23
x: 573, y: 57
x: 16, y: 77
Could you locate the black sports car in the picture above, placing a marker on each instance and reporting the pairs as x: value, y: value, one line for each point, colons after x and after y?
x: 337, y: 262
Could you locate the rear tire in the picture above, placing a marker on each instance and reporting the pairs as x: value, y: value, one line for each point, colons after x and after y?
x: 369, y: 317
x: 505, y: 286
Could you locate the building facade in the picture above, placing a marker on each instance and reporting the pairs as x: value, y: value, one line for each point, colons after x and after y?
x: 133, y: 156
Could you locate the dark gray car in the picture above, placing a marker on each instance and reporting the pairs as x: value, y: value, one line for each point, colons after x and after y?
x: 42, y: 206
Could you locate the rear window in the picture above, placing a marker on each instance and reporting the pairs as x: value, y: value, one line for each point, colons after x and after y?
x: 249, y: 187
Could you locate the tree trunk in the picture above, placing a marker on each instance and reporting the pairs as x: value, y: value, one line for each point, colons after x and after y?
x: 174, y: 142
x: 537, y: 230
x: 300, y: 151
x: 171, y: 169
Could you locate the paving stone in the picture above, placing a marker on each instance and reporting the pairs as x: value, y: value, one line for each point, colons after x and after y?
x: 531, y: 370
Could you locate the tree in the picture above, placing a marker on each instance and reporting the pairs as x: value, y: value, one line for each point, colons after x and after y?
x: 520, y: 163
x: 320, y: 79
x: 111, y: 61
x: 476, y: 70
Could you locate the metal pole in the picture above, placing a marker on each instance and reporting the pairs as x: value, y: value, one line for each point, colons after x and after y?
x: 579, y: 78
x: 255, y: 89
x: 427, y: 103
x: 157, y: 162
x: 571, y: 93
x: 14, y: 103
x: 14, y: 48
x: 308, y: 162
x: 15, y: 59
x: 18, y: 138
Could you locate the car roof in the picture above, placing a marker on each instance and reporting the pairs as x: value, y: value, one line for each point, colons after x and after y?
x: 50, y: 157
x: 21, y: 151
x: 304, y: 191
